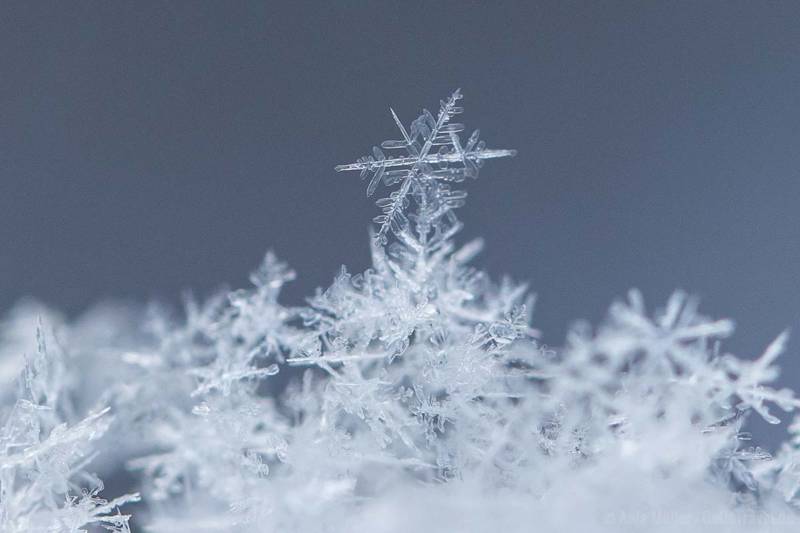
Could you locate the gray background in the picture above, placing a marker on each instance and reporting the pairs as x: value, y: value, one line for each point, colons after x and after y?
x: 146, y: 148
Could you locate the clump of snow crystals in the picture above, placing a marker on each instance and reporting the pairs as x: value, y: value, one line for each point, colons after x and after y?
x: 43, y: 454
x: 410, y: 397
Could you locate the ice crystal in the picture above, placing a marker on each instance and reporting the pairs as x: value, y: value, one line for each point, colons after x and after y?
x: 43, y: 483
x: 411, y: 396
x: 433, y: 159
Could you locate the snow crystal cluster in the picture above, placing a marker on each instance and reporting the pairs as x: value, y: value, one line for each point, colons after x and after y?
x: 410, y: 397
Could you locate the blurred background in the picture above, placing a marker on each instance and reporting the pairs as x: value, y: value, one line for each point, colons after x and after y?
x: 152, y: 147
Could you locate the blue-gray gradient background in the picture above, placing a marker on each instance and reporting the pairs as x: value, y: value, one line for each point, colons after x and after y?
x: 147, y: 148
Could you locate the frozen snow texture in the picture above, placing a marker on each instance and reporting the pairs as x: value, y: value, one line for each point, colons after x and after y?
x: 412, y: 396
x: 43, y: 483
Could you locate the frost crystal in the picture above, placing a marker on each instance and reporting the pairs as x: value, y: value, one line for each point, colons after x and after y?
x: 412, y: 396
x: 424, y: 175
x: 43, y: 484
